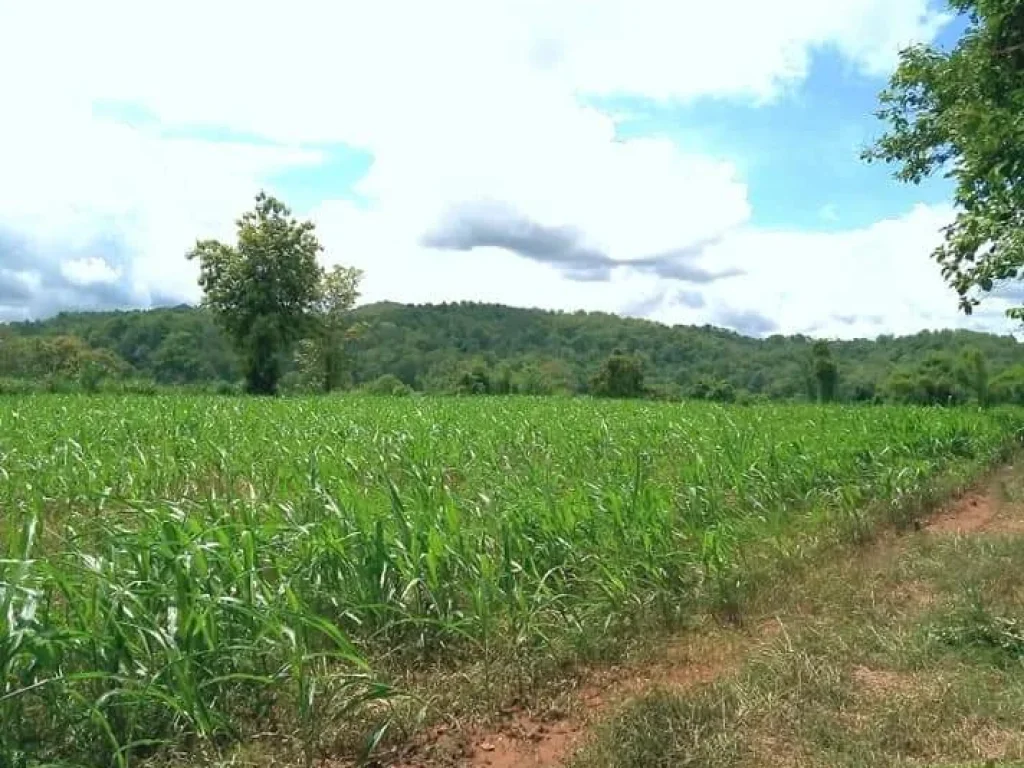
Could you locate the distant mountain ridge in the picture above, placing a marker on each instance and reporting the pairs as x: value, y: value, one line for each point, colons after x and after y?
x: 425, y: 345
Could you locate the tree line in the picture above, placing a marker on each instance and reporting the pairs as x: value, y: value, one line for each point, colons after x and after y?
x: 470, y: 348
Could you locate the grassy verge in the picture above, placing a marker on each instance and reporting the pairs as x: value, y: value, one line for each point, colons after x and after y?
x: 911, y: 655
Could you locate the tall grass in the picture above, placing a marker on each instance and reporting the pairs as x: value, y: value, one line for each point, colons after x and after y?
x: 179, y: 572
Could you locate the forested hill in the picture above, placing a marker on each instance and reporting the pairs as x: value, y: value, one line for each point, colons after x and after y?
x: 428, y: 347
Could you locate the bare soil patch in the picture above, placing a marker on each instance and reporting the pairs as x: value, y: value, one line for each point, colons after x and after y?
x: 525, y: 739
x: 972, y: 513
x: 986, y: 509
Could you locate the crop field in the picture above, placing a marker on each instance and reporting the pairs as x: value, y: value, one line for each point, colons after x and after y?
x: 181, y: 573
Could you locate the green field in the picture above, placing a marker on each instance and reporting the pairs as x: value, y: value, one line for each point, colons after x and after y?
x: 183, y: 573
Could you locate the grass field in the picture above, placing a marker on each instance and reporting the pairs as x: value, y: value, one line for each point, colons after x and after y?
x: 184, y: 574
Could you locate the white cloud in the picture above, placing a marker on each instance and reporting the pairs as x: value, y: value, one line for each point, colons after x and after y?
x: 344, y: 70
x: 859, y: 282
x: 89, y: 271
x: 458, y: 101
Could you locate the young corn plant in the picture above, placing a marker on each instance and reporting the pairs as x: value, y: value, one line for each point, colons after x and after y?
x: 183, y: 572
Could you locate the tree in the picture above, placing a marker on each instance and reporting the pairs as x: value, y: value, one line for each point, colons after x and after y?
x: 975, y: 374
x: 474, y: 381
x: 501, y: 382
x: 826, y: 374
x: 264, y: 290
x: 321, y: 356
x: 1008, y: 386
x: 621, y: 375
x: 60, y: 361
x: 544, y: 377
x: 959, y: 112
x: 716, y: 390
x: 722, y: 392
x: 934, y: 381
x: 862, y: 390
x: 427, y: 347
x: 176, y: 360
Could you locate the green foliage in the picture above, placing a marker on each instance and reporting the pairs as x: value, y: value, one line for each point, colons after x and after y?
x: 942, y: 379
x: 184, y: 573
x: 974, y: 369
x: 862, y: 389
x: 176, y: 346
x: 958, y: 112
x: 473, y: 381
x: 321, y: 358
x: 546, y: 377
x: 388, y: 384
x: 1008, y: 386
x: 621, y: 375
x: 935, y: 381
x: 264, y: 290
x: 529, y: 351
x: 501, y: 381
x: 977, y: 629
x: 716, y: 390
x: 825, y: 372
x: 59, y: 362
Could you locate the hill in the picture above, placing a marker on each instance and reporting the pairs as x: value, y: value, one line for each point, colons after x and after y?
x: 537, y: 351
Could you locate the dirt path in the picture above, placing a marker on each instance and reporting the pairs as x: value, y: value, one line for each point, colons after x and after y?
x: 970, y: 514
x: 526, y: 742
x: 983, y: 510
x: 546, y: 739
x: 550, y: 739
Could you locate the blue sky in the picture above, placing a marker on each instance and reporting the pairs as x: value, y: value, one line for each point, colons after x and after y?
x: 801, y: 153
x: 334, y: 176
x: 631, y: 156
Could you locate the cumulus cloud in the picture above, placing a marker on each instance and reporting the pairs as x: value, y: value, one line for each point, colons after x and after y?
x: 37, y: 280
x: 854, y: 319
x: 387, y: 61
x: 88, y: 271
x: 851, y: 283
x: 487, y: 224
x: 460, y: 102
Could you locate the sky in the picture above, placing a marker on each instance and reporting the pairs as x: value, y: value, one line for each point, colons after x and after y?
x: 692, y: 163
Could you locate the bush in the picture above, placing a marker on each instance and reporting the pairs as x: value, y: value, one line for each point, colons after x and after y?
x: 91, y: 377
x: 621, y: 375
x: 716, y: 390
x: 59, y: 384
x: 138, y: 386
x: 388, y: 384
x: 222, y: 387
x: 9, y: 386
x: 752, y: 398
x: 294, y: 383
x: 475, y: 381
